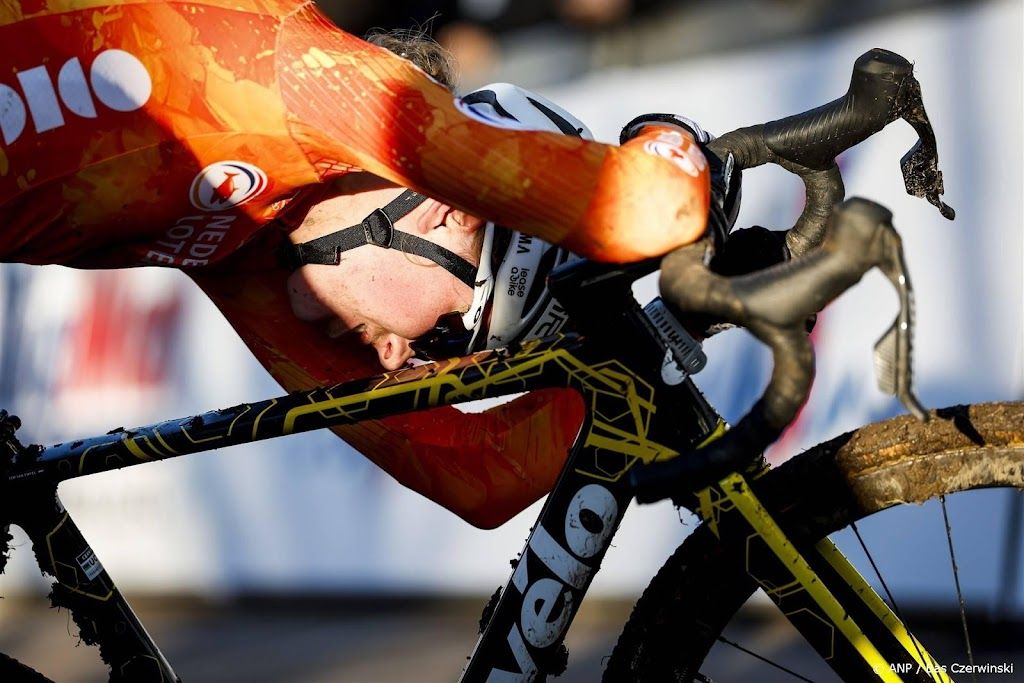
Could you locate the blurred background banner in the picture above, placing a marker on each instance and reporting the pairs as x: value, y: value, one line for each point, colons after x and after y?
x: 86, y: 352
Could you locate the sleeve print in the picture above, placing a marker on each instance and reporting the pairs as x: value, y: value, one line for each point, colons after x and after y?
x: 366, y: 107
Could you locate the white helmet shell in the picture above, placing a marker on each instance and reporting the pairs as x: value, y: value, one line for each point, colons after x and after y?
x: 510, y: 300
x: 509, y: 106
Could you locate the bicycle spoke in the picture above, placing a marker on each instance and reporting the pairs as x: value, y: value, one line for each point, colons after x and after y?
x: 959, y: 593
x: 888, y: 593
x: 739, y: 647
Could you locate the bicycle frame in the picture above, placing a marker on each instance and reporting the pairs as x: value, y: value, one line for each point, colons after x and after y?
x: 626, y: 423
x: 632, y: 417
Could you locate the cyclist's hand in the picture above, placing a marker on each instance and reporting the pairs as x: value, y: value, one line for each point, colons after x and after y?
x: 633, y: 128
x: 726, y: 177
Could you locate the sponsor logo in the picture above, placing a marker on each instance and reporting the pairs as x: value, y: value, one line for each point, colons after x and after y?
x: 89, y: 563
x: 517, y: 281
x: 548, y: 604
x: 226, y: 184
x: 524, y: 243
x: 550, y: 321
x: 117, y: 80
x: 679, y: 150
x: 192, y: 241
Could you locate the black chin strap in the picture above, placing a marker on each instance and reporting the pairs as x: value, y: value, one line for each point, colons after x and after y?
x: 378, y: 229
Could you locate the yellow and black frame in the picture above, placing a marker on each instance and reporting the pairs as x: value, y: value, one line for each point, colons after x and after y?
x: 815, y: 587
x: 638, y: 422
x: 633, y: 417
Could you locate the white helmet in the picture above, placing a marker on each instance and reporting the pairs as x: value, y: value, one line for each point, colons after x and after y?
x: 510, y: 300
x: 510, y: 297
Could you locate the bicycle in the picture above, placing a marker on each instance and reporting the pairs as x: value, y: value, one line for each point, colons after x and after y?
x: 648, y: 432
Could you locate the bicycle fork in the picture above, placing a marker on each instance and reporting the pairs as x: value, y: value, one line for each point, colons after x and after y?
x: 819, y: 591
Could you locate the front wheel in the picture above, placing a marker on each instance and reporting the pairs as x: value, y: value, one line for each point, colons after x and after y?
x: 683, y: 611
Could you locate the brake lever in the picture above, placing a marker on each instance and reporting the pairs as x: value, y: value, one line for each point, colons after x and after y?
x: 882, y: 89
x: 920, y: 165
x: 773, y: 304
x: 894, y: 350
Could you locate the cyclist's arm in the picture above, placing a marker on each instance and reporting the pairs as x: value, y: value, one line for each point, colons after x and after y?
x: 367, y: 107
x: 484, y: 467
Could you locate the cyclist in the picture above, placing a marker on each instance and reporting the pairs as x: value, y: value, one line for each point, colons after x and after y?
x: 464, y: 462
x: 195, y: 136
x: 502, y: 297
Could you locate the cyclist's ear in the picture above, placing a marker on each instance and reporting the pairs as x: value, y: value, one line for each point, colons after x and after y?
x: 466, y: 222
x: 437, y: 214
x: 432, y: 214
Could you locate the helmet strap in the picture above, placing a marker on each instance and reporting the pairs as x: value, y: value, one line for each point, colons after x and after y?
x: 378, y: 228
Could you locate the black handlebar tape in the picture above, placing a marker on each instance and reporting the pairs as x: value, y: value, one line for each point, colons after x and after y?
x: 812, y: 140
x: 882, y: 89
x: 773, y: 305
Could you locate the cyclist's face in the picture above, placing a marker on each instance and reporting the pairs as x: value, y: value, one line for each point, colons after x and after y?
x: 386, y: 297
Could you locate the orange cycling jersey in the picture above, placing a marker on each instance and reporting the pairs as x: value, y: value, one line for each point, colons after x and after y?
x: 171, y: 133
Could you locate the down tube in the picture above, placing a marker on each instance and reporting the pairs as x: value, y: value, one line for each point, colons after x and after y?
x: 521, y: 642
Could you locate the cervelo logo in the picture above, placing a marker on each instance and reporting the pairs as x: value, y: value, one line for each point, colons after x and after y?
x: 679, y: 150
x: 548, y: 605
x: 226, y: 184
x: 117, y: 79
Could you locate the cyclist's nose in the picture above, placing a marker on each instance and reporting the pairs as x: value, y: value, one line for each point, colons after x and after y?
x: 393, y: 351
